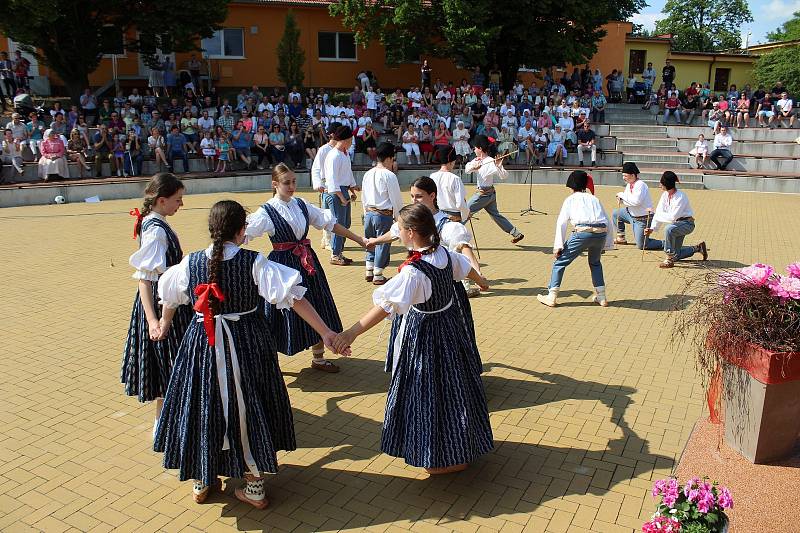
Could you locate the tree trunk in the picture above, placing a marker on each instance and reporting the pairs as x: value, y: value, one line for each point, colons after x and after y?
x: 75, y: 86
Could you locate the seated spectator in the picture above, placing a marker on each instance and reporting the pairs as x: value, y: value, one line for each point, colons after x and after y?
x: 294, y: 144
x: 765, y: 112
x: 205, y: 123
x: 461, y: 140
x: 52, y: 162
x: 426, y: 143
x: 12, y: 151
x: 506, y: 140
x: 226, y: 120
x: 690, y: 109
x: 557, y: 148
x: 76, y: 150
x: 722, y: 148
x: 701, y: 151
x: 157, y: 145
x: 599, y: 103
x: 411, y: 143
x: 188, y: 127
x: 441, y: 137
x: 586, y: 142
x: 491, y: 124
x: 672, y: 108
x: 36, y: 129
x: 540, y: 143
x: 102, y: 144
x: 525, y: 136
x: 58, y: 125
x: 277, y: 144
x: 134, y: 157
x: 784, y: 110
x: 510, y: 121
x: 742, y: 111
x: 177, y: 147
x: 568, y: 129
x: 135, y: 99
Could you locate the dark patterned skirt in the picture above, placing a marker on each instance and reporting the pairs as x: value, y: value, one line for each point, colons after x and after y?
x: 146, y: 364
x: 436, y: 411
x: 192, y: 426
x: 292, y: 333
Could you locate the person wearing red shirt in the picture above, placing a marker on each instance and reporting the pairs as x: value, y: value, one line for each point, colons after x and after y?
x: 672, y: 107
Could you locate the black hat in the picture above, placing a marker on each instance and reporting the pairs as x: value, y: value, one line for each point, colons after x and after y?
x: 447, y: 154
x: 630, y: 168
x: 669, y: 179
x: 343, y: 133
x: 577, y: 180
x: 332, y: 127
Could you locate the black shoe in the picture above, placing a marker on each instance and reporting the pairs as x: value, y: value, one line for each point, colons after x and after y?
x: 580, y: 164
x: 703, y: 249
x: 594, y: 163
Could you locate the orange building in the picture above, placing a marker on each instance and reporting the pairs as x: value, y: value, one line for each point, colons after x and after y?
x: 244, y: 53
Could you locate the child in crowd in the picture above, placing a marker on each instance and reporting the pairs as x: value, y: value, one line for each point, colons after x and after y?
x: 224, y: 149
x: 286, y: 220
x: 227, y: 410
x: 701, y: 151
x: 436, y: 412
x: 150, y: 348
x: 119, y: 153
x: 209, y: 149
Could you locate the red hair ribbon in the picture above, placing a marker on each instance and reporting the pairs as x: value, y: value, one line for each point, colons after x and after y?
x: 491, y: 140
x: 204, y: 291
x: 300, y: 249
x: 413, y: 258
x: 135, y: 213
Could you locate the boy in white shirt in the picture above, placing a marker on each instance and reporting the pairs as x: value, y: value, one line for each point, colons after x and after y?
x: 701, y: 151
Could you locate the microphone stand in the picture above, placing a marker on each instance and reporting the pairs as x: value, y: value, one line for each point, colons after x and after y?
x: 529, y: 179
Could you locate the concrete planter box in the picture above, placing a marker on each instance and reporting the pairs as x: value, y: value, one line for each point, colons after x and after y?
x: 761, y: 403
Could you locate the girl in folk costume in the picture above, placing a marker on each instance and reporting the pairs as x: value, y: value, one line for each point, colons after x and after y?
x: 674, y: 211
x: 227, y: 411
x: 486, y: 197
x: 286, y: 220
x: 436, y: 412
x: 150, y: 349
x: 592, y: 234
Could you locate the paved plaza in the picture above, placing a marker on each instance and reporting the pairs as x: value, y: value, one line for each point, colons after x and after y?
x: 588, y: 405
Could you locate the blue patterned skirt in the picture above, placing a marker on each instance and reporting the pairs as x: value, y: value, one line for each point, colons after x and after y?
x: 292, y: 333
x: 436, y: 411
x: 146, y: 364
x: 192, y: 425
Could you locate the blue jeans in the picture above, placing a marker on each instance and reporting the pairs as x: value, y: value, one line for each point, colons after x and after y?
x: 171, y: 158
x: 133, y: 163
x: 675, y: 112
x: 489, y: 203
x: 591, y: 242
x: 375, y: 225
x: 673, y: 240
x: 342, y: 213
x: 622, y: 217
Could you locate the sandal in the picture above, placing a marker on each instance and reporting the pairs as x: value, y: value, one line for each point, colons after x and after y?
x: 668, y: 263
x: 253, y: 493
x: 338, y: 260
x: 200, y: 490
x: 325, y: 366
x: 518, y: 238
x: 379, y: 280
x: 369, y: 276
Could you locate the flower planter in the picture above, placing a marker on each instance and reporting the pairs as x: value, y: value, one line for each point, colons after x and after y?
x: 761, y: 403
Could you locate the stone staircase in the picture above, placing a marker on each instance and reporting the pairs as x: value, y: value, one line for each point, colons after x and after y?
x: 628, y: 114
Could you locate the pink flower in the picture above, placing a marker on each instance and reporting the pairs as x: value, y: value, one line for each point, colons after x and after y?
x: 705, y: 500
x: 758, y: 274
x: 658, y: 487
x: 671, y: 493
x: 785, y: 288
x: 794, y: 270
x: 662, y: 524
x: 691, y: 484
x: 724, y: 498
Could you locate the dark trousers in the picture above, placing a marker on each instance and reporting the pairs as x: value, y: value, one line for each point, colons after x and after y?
x: 725, y: 154
x: 11, y: 87
x: 171, y: 158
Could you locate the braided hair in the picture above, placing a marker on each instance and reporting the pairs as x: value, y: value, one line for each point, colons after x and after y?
x: 161, y: 185
x: 225, y: 221
x: 419, y: 218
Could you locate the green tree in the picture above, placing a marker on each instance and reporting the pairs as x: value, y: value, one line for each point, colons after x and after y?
x: 639, y: 30
x: 481, y: 33
x: 66, y: 35
x: 782, y: 64
x: 290, y: 54
x: 788, y: 31
x: 704, y: 25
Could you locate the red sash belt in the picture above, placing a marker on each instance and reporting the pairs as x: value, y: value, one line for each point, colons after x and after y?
x: 301, y: 249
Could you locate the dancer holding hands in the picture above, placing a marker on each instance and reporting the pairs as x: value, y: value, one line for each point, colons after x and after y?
x: 227, y: 411
x: 636, y: 208
x: 150, y: 349
x: 436, y: 412
x: 286, y: 220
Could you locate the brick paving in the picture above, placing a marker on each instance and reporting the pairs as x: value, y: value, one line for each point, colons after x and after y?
x: 588, y: 405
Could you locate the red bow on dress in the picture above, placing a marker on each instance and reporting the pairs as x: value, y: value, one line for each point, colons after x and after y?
x: 412, y: 258
x: 204, y: 291
x: 301, y: 249
x: 136, y: 225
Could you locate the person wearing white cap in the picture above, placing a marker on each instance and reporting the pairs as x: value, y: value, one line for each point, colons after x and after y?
x: 52, y: 161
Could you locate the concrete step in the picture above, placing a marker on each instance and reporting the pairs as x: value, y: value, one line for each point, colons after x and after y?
x: 752, y: 148
x: 645, y: 141
x: 676, y: 157
x: 631, y: 130
x: 646, y: 147
x: 630, y: 120
x: 685, y: 184
x: 741, y: 134
x: 768, y: 165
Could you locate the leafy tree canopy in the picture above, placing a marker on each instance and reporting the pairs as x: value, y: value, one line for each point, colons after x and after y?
x: 66, y: 34
x: 290, y: 54
x: 481, y: 33
x: 782, y: 64
x: 789, y: 30
x: 704, y: 25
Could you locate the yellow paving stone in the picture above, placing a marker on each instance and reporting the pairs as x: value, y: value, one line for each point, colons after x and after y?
x: 584, y: 419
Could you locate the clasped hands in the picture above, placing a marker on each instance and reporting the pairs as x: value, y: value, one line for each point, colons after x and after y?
x: 339, y: 343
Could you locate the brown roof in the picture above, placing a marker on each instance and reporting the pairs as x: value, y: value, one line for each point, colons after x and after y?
x: 308, y: 3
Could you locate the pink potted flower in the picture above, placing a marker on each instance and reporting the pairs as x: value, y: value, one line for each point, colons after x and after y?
x: 696, y: 507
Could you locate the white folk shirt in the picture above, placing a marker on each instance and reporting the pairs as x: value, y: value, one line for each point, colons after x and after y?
x: 450, y: 193
x: 722, y: 142
x: 260, y: 222
x: 581, y: 208
x: 277, y: 284
x: 150, y: 260
x: 318, y: 168
x: 486, y: 168
x: 670, y: 208
x: 337, y: 171
x: 380, y: 189
x: 411, y: 286
x: 636, y: 197
x: 453, y: 235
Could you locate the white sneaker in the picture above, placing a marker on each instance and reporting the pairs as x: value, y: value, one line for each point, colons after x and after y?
x: 550, y: 299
